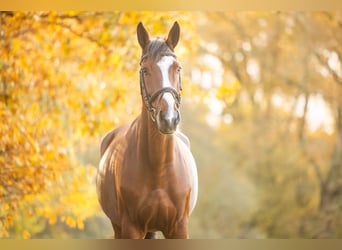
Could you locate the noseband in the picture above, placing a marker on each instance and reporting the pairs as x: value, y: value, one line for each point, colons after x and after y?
x: 149, y: 99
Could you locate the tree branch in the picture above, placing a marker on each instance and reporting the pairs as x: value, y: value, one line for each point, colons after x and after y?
x: 326, y: 65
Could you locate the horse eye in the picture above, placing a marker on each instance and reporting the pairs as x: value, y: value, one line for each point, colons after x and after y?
x: 144, y: 71
x: 179, y: 69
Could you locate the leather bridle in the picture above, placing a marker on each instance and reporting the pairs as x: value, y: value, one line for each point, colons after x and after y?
x: 150, y: 98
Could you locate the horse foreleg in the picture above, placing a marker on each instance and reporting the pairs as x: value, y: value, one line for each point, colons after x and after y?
x: 117, y: 231
x: 127, y: 232
x: 130, y: 231
x: 179, y: 232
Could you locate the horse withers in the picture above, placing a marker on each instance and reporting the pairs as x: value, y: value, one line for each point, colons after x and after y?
x: 147, y: 176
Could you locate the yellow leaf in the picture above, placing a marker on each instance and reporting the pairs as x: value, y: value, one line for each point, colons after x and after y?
x: 9, y: 219
x: 4, y: 233
x: 49, y: 155
x: 52, y: 219
x: 80, y: 224
x: 35, y: 108
x: 6, y: 206
x: 26, y: 234
x: 228, y: 91
x: 15, y: 45
x: 39, y: 211
x: 70, y: 222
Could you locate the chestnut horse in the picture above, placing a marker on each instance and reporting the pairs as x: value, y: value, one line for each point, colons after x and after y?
x: 147, y: 177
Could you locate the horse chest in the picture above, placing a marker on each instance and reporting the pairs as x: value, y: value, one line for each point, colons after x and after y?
x: 153, y: 188
x: 155, y: 203
x: 157, y: 209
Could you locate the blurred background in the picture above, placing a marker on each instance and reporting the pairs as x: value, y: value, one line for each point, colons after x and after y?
x: 261, y: 104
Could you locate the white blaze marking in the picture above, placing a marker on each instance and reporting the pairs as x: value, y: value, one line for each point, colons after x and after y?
x: 164, y: 64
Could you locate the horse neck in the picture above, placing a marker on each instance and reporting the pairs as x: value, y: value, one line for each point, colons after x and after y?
x: 155, y: 148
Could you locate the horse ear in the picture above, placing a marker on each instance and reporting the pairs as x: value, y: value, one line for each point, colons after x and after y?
x: 173, y: 36
x: 143, y: 37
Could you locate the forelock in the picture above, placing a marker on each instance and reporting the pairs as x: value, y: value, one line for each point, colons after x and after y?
x: 156, y: 48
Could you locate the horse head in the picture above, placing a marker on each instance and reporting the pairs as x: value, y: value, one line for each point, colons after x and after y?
x: 160, y: 81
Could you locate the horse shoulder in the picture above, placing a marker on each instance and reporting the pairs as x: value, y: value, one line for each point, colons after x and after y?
x: 110, y: 136
x: 192, y: 171
x: 184, y: 138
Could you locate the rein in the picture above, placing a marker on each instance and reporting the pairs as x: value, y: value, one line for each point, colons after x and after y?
x: 148, y: 99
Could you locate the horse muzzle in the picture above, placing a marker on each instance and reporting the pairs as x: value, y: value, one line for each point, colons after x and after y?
x: 167, y: 122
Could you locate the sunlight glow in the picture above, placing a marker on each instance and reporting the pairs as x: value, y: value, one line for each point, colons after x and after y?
x: 253, y: 70
x: 318, y: 115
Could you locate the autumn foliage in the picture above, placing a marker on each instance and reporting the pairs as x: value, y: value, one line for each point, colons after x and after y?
x: 261, y: 104
x: 65, y: 79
